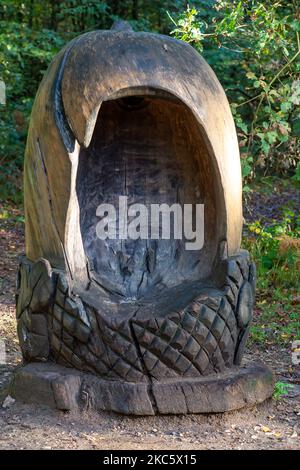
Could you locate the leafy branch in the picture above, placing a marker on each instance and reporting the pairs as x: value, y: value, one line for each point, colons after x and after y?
x: 266, y: 36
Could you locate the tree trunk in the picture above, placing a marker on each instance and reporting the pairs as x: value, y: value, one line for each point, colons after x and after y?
x: 135, y: 9
x: 31, y: 8
x: 53, y: 14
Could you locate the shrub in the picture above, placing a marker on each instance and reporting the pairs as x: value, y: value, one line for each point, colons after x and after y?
x: 254, y: 47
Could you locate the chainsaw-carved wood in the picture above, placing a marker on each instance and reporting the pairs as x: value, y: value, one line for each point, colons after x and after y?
x: 139, y: 115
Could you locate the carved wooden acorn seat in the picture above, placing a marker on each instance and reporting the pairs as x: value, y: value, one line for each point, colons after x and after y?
x: 135, y: 326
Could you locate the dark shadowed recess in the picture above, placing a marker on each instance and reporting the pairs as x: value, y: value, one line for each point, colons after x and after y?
x: 150, y: 149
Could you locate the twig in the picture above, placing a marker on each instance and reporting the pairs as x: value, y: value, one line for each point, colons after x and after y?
x: 248, y: 101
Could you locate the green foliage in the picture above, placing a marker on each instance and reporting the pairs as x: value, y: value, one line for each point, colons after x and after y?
x: 277, y: 319
x: 296, y: 176
x: 275, y: 249
x: 24, y: 56
x: 281, y: 389
x: 254, y: 47
x: 189, y: 28
x: 31, y: 33
x: 275, y: 266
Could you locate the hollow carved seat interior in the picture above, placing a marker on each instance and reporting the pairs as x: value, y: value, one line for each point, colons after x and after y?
x: 151, y: 150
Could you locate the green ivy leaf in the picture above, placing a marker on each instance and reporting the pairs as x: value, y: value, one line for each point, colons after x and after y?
x: 271, y: 136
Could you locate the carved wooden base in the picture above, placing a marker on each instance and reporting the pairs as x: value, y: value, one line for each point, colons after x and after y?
x: 183, y: 342
x: 67, y: 389
x: 190, y: 330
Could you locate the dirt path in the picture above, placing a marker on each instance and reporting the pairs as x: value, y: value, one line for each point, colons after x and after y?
x: 272, y: 425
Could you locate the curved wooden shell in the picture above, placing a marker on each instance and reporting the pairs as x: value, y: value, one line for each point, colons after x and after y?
x: 102, y: 66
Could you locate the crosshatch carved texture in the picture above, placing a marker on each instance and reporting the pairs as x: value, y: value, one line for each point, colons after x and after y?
x: 204, y: 338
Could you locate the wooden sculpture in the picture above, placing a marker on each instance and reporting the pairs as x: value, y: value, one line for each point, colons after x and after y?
x: 135, y: 326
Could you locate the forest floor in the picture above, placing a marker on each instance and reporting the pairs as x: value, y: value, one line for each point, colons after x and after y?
x: 274, y: 424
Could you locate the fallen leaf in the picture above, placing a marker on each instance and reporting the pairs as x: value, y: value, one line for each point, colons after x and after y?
x: 8, y: 402
x: 265, y: 429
